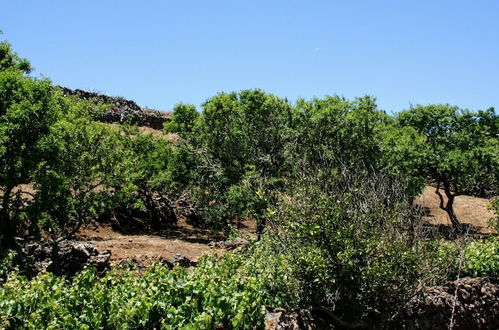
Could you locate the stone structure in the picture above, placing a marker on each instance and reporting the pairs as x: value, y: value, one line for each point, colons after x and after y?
x: 122, y: 110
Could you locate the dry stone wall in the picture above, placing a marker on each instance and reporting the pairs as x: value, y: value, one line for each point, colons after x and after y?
x: 468, y: 303
x: 122, y: 110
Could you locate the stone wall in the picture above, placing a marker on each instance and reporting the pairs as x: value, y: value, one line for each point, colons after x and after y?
x: 468, y: 303
x: 122, y: 110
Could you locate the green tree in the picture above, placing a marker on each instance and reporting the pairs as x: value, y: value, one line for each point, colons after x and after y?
x: 247, y: 128
x: 336, y: 132
x: 241, y: 144
x: 152, y: 167
x: 185, y: 120
x: 86, y: 171
x: 28, y: 107
x: 460, y: 150
x: 402, y: 151
x: 10, y: 61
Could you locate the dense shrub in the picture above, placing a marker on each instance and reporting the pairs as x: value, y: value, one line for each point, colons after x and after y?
x: 231, y: 292
x: 469, y: 257
x: 354, y: 245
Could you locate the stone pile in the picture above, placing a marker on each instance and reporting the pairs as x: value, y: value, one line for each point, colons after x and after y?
x: 65, y: 258
x: 122, y: 110
x: 468, y: 303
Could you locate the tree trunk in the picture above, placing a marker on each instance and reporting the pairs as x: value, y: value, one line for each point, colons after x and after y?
x: 151, y: 209
x: 449, y: 206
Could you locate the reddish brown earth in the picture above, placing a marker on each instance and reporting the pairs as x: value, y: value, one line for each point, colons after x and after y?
x: 469, y: 210
x: 142, y: 247
x: 185, y: 239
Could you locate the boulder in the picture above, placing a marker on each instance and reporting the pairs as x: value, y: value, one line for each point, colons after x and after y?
x: 64, y: 258
x: 297, y: 319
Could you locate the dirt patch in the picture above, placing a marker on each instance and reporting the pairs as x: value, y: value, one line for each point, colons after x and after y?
x: 193, y: 241
x: 145, y: 247
x: 470, y: 210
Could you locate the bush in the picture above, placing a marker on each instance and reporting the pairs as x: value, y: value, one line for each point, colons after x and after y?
x: 354, y: 246
x: 231, y: 292
x: 6, y: 262
x: 481, y: 258
x: 469, y: 258
x: 494, y: 220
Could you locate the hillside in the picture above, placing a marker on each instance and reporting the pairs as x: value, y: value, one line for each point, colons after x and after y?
x: 470, y: 210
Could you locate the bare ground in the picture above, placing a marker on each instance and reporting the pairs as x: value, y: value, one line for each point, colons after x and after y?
x: 193, y: 242
x: 470, y: 210
x: 184, y: 240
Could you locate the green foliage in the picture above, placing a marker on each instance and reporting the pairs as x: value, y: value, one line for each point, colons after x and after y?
x: 339, y: 132
x: 6, y: 263
x: 28, y: 107
x: 152, y: 158
x: 494, y: 220
x: 246, y: 128
x: 460, y: 146
x: 352, y: 245
x: 238, y: 143
x: 458, y: 149
x: 230, y: 292
x: 470, y: 258
x: 10, y: 61
x: 403, y: 153
x: 185, y: 120
x: 85, y: 172
x: 481, y: 258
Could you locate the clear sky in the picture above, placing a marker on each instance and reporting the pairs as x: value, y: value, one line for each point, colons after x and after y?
x: 160, y: 53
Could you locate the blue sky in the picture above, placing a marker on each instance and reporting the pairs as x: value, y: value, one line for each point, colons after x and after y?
x: 160, y: 53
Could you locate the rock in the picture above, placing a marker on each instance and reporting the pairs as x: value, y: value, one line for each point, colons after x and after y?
x: 167, y: 263
x: 180, y: 260
x: 102, y: 260
x: 177, y: 260
x: 231, y: 244
x: 471, y: 303
x: 65, y: 258
x: 280, y: 319
x: 122, y: 110
x: 131, y: 263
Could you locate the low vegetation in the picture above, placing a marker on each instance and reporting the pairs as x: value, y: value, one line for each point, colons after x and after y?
x: 330, y: 183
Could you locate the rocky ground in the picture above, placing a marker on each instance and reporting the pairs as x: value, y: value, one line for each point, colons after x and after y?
x: 468, y: 303
x: 465, y: 304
